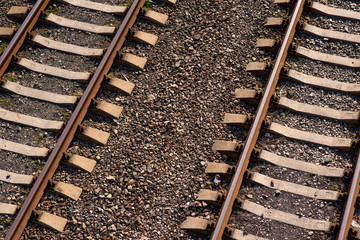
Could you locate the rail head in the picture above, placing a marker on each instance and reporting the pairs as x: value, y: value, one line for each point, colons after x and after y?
x: 77, y: 117
x: 349, y: 209
x: 250, y: 142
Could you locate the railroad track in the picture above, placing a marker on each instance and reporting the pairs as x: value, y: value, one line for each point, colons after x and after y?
x: 71, y: 127
x: 270, y: 99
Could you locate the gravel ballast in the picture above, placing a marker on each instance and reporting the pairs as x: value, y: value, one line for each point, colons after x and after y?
x: 149, y: 173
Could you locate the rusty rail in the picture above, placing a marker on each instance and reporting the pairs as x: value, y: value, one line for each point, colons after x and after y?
x: 349, y: 209
x: 256, y: 126
x: 21, y: 35
x: 77, y: 117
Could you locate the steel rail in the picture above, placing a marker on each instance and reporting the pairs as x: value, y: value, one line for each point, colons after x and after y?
x: 71, y: 127
x: 21, y: 34
x: 256, y: 126
x: 349, y: 209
